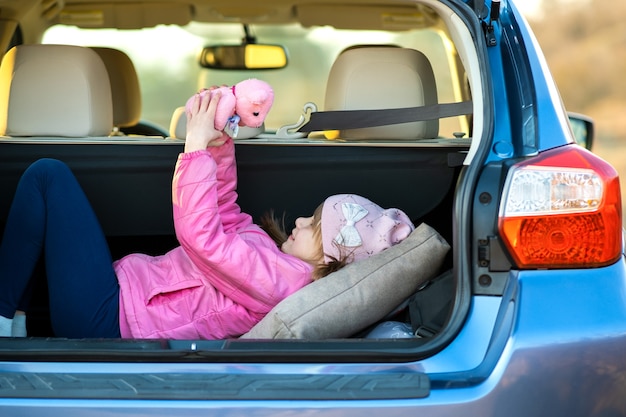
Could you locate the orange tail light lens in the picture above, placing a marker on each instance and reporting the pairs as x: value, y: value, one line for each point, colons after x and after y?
x: 562, y: 209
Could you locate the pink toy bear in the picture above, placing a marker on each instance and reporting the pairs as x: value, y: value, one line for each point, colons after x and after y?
x: 244, y: 104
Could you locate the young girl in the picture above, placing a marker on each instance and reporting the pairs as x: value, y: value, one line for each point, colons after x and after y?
x: 224, y: 277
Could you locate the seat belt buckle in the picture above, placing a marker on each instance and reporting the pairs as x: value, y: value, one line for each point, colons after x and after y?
x: 423, y: 331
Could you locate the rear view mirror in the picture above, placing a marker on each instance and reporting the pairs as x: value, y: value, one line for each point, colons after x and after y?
x: 582, y: 126
x: 248, y: 56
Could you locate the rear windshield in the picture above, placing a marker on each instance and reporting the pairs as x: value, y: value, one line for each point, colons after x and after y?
x: 166, y: 60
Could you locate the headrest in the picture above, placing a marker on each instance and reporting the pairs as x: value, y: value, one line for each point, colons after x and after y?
x: 178, y: 124
x: 54, y: 90
x: 178, y: 127
x: 381, y: 77
x: 125, y: 90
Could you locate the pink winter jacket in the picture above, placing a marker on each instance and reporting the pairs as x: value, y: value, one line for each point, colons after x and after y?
x: 227, y: 273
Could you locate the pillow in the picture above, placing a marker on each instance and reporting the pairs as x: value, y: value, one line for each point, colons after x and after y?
x: 359, y: 294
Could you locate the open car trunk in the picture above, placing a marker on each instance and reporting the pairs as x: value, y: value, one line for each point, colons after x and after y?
x: 129, y: 185
x: 429, y: 66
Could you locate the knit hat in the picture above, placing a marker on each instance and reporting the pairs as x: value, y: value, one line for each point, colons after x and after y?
x: 354, y: 226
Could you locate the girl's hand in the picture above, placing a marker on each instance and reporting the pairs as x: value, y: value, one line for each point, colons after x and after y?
x: 201, y: 132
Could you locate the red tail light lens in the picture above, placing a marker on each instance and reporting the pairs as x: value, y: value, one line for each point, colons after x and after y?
x: 562, y: 209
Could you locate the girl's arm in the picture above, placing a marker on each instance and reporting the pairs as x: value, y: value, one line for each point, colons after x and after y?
x: 201, y: 135
x: 246, y: 267
x: 226, y: 175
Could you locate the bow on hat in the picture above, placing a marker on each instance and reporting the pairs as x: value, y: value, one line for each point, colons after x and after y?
x: 349, y: 235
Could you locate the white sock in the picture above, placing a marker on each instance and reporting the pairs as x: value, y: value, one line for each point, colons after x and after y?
x: 18, y: 328
x: 5, y: 326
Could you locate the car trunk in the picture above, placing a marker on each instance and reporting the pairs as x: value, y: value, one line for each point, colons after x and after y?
x: 129, y: 184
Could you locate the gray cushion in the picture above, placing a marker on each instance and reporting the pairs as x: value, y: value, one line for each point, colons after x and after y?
x: 359, y: 294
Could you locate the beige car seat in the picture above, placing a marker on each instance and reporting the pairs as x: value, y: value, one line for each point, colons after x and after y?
x: 125, y: 90
x: 54, y: 90
x: 383, y: 77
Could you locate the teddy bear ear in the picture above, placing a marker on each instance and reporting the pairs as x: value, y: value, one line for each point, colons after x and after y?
x: 254, y: 84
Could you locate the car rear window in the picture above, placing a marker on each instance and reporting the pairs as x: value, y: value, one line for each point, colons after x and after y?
x: 165, y: 58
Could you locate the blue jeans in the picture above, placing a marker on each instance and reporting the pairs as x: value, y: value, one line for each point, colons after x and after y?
x: 51, y: 215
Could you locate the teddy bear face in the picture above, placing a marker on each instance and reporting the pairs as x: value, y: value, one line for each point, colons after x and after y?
x: 254, y: 100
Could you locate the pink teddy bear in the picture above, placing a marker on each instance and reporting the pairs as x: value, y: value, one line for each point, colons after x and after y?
x: 244, y: 104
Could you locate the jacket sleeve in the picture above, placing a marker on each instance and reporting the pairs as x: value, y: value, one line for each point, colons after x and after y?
x: 244, y: 266
x: 226, y: 175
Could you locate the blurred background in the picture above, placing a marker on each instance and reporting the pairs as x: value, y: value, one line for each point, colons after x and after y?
x: 584, y: 42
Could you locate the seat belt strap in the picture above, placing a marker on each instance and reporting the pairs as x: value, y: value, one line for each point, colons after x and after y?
x: 356, y: 119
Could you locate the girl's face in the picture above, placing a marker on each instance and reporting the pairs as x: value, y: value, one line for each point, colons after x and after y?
x: 303, y: 243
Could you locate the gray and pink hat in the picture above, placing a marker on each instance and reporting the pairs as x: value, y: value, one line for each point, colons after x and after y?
x: 355, y: 226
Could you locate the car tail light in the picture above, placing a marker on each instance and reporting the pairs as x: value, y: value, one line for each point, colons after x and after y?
x: 562, y: 209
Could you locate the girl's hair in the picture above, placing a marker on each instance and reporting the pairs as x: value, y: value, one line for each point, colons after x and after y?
x: 275, y: 228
